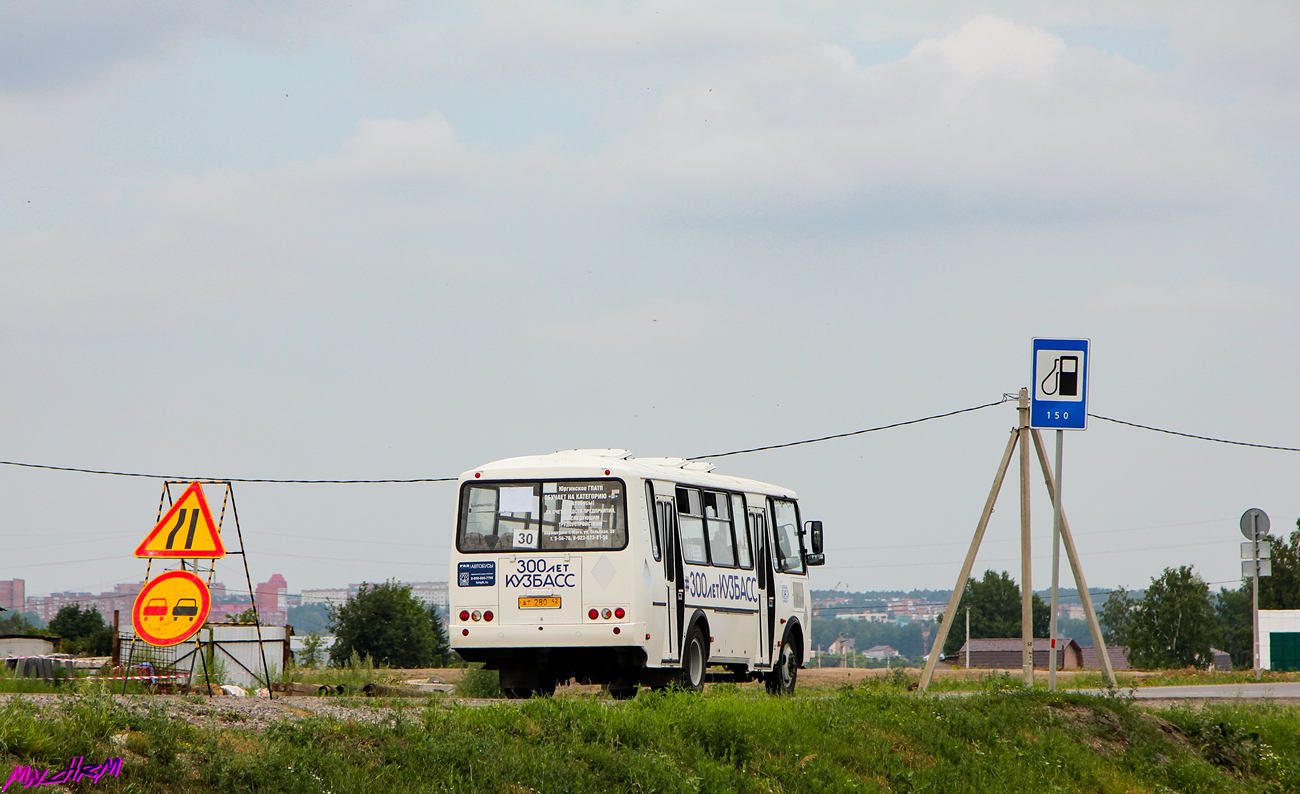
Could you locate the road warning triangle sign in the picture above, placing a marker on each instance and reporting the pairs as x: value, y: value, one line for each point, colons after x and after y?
x: 186, y: 531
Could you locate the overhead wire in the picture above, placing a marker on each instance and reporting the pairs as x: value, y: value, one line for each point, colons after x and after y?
x: 1192, y: 435
x: 785, y: 445
x: 853, y: 433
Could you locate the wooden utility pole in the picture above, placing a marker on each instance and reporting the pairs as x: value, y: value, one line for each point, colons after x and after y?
x: 1026, y: 562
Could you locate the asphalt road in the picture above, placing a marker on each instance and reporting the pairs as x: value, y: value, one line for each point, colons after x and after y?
x: 1285, y: 690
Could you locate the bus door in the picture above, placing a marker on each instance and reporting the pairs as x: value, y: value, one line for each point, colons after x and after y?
x: 766, y: 590
x: 674, y: 584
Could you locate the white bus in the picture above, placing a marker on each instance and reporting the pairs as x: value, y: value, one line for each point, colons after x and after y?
x: 594, y: 566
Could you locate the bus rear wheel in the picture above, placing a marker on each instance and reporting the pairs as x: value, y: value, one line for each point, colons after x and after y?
x: 694, y: 658
x: 781, y: 680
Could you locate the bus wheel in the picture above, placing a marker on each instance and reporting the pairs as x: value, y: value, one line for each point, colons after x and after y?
x: 693, y: 661
x: 626, y: 693
x: 781, y: 680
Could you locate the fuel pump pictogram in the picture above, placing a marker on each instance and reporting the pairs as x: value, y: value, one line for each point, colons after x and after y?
x: 1063, y: 379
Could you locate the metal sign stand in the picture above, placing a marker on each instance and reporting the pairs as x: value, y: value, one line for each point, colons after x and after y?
x: 228, y: 498
x: 1022, y: 434
x: 1258, y: 562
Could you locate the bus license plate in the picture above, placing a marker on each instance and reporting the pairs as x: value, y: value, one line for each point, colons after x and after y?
x: 539, y: 602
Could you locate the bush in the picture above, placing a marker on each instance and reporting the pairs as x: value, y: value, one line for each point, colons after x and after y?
x: 388, y: 624
x: 83, y: 630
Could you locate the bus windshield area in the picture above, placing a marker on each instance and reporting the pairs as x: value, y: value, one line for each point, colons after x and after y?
x: 543, y: 516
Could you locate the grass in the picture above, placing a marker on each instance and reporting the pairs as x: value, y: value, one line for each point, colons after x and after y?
x: 976, y: 680
x: 729, y: 740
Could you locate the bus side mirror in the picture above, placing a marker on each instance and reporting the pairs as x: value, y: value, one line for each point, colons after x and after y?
x: 814, y: 532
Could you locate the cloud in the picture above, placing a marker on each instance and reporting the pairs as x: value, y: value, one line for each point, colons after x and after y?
x: 994, y: 119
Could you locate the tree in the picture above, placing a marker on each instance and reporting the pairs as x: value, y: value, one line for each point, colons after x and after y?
x: 994, y: 605
x: 1116, y: 616
x: 390, y: 625
x: 1281, y: 590
x: 83, y: 630
x: 1174, y: 623
x: 308, y: 618
x: 18, y: 623
x: 1232, y: 616
x: 311, y: 650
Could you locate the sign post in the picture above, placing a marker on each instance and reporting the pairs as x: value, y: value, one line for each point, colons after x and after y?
x: 1060, y: 402
x: 1258, y: 562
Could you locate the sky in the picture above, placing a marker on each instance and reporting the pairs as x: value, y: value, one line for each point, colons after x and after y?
x: 368, y: 240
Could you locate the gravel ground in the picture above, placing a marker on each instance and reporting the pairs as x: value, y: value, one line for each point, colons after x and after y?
x: 254, y: 713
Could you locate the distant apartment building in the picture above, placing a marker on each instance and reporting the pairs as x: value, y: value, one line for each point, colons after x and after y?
x: 429, y: 592
x: 331, y: 595
x: 273, y: 602
x: 12, y: 595
x: 121, y: 598
x: 906, y: 609
x: 434, y: 593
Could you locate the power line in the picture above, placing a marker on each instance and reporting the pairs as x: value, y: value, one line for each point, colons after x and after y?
x: 1190, y: 435
x: 220, y: 479
x: 411, y: 480
x: 854, y: 433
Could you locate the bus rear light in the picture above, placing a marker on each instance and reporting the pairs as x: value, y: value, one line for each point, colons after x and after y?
x: 620, y: 613
x: 617, y: 630
x: 464, y: 615
x: 606, y: 613
x: 475, y: 615
x: 464, y: 632
x: 487, y: 615
x: 593, y: 613
x: 606, y: 471
x: 478, y: 474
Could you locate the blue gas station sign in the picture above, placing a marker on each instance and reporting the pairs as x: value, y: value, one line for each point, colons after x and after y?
x: 1059, y: 399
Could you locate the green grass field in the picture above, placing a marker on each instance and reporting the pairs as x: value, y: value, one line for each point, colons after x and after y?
x: 860, y: 739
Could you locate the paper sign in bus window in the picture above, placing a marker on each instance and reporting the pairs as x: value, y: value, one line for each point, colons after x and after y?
x: 516, y: 500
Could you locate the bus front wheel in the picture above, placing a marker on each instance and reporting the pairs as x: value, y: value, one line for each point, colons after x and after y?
x: 781, y: 680
x: 693, y: 661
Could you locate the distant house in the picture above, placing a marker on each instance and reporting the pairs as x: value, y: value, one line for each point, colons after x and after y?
x: 881, y: 653
x: 843, y: 645
x: 1118, y: 657
x: 1005, y: 654
x: 1222, y: 660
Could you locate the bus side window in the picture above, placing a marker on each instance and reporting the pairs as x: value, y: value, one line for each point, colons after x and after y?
x: 690, y: 525
x: 743, y: 555
x: 652, y: 515
x: 786, y: 531
x: 717, y: 509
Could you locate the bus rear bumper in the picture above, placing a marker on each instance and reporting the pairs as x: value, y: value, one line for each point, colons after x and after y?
x: 573, y: 635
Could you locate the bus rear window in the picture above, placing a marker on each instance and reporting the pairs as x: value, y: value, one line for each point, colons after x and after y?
x: 545, y: 516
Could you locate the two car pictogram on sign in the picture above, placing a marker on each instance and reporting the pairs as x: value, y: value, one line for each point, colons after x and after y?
x: 171, y: 607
